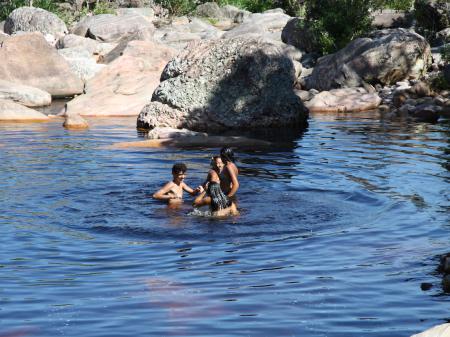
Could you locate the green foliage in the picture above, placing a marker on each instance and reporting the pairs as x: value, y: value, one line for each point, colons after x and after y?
x: 445, y: 53
x: 340, y: 21
x: 395, y: 4
x: 6, y: 7
x: 439, y: 83
x: 178, y: 7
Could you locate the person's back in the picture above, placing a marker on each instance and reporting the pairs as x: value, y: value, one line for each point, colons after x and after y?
x: 228, y: 178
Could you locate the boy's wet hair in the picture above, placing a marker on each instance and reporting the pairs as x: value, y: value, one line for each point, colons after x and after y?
x: 227, y: 154
x: 179, y: 168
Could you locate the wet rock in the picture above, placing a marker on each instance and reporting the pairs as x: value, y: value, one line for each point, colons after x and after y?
x: 444, y: 266
x: 166, y: 132
x: 49, y: 71
x: 343, y: 100
x: 14, y: 112
x: 442, y: 330
x: 425, y: 286
x: 125, y: 85
x: 23, y: 94
x: 426, y: 113
x: 74, y: 121
x: 386, y: 56
x: 229, y: 84
x: 30, y: 19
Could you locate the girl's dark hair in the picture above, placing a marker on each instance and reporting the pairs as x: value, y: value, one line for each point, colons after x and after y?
x: 218, y: 199
x: 227, y: 154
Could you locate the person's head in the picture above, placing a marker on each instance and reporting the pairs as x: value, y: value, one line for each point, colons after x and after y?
x: 227, y: 155
x: 217, y: 163
x: 179, y: 172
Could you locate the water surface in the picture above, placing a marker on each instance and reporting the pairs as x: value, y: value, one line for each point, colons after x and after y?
x: 339, y: 227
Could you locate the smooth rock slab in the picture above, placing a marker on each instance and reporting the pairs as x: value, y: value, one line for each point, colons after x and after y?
x: 29, y: 60
x: 343, y: 100
x: 24, y: 94
x: 442, y: 330
x: 125, y: 85
x: 13, y: 112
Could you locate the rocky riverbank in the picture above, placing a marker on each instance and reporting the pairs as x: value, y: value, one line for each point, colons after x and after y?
x: 220, y: 68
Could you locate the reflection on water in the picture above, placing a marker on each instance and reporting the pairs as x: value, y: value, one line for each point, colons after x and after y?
x: 340, y: 226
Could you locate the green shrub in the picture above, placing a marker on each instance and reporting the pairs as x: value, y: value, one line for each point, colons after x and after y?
x: 340, y: 20
x: 8, y: 6
x: 178, y: 7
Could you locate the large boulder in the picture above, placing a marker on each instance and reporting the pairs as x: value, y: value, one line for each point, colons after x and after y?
x: 30, y: 19
x: 432, y: 14
x: 386, y: 57
x: 234, y: 83
x: 24, y: 94
x: 343, y: 100
x: 125, y: 85
x: 28, y: 59
x: 112, y: 28
x: 268, y: 24
x: 14, y: 112
x: 442, y: 330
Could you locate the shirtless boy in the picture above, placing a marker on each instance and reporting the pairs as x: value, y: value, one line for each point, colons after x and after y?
x: 172, y: 192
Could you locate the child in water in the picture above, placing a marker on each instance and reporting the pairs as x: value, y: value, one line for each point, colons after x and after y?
x: 213, y: 195
x: 172, y: 192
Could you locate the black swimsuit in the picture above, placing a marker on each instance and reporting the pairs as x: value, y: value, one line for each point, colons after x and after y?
x: 218, y: 199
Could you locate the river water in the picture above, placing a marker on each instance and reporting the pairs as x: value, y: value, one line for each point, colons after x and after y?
x: 339, y: 228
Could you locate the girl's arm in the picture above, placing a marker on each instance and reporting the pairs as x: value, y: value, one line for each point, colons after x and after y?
x: 161, y: 194
x: 200, y: 200
x: 234, y: 182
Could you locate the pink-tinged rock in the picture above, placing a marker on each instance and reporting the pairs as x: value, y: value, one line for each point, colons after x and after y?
x: 28, y: 59
x: 343, y: 100
x: 126, y: 85
x: 442, y: 330
x: 14, y: 112
x: 75, y: 122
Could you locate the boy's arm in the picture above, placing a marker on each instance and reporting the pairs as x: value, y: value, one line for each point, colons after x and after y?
x: 162, y: 193
x: 190, y: 190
